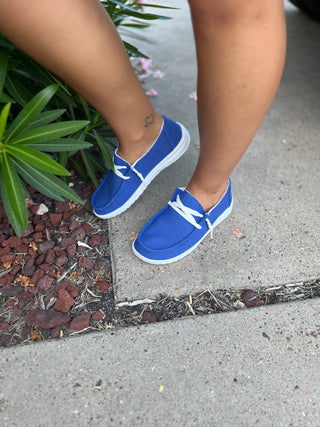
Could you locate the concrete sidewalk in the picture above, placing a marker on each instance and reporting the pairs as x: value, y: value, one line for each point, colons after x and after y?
x: 257, y: 367
x: 275, y: 186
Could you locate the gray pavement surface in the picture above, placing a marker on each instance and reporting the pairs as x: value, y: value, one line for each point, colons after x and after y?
x: 258, y: 367
x: 275, y: 185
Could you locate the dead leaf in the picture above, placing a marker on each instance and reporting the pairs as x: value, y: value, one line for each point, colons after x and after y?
x: 250, y: 298
x: 238, y: 233
x: 7, y: 265
x: 74, y: 206
x: 75, y: 273
x: 24, y: 281
x: 36, y: 335
x: 133, y: 236
x: 99, y: 277
x: 33, y: 245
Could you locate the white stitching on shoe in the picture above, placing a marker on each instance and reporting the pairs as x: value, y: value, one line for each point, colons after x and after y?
x: 186, y: 212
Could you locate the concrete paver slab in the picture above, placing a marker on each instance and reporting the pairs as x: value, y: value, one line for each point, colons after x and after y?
x: 245, y: 368
x: 275, y: 186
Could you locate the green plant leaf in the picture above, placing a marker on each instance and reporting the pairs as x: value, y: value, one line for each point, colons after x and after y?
x: 104, y: 151
x: 17, y: 78
x: 135, y: 25
x: 5, y: 99
x: 158, y: 6
x: 26, y: 192
x: 97, y: 163
x: 78, y: 166
x: 45, y: 182
x: 140, y: 15
x: 14, y: 191
x: 7, y: 207
x: 42, y: 188
x: 4, y: 42
x: 133, y: 51
x: 3, y: 119
x: 63, y: 161
x: 106, y: 133
x: 85, y: 107
x: 46, y: 117
x: 63, y: 158
x: 130, y: 11
x: 30, y: 111
x: 36, y: 158
x: 96, y: 118
x: 40, y: 74
x: 60, y: 145
x: 17, y: 90
x: 49, y: 132
x: 89, y: 167
x: 3, y: 67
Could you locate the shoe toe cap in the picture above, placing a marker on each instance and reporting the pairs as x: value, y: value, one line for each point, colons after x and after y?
x: 162, y: 238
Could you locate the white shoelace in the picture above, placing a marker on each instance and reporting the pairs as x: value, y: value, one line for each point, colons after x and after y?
x: 189, y: 214
x: 210, y: 227
x: 117, y: 171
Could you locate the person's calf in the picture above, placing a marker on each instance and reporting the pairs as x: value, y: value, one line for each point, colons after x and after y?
x: 214, y: 14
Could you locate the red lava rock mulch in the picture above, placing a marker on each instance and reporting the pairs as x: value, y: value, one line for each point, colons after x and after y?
x: 55, y: 277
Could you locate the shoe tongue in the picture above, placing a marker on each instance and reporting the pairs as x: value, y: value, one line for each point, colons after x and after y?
x: 191, y: 202
x: 119, y: 161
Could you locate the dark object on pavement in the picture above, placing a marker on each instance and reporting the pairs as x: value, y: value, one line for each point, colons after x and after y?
x: 310, y: 7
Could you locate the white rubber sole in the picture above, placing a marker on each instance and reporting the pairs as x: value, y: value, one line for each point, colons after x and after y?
x: 180, y: 149
x: 225, y: 214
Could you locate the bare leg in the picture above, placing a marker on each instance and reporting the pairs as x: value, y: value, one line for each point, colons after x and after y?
x: 77, y: 41
x: 240, y: 51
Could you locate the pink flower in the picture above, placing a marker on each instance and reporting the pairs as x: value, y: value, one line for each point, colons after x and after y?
x: 142, y: 8
x: 152, y: 92
x: 29, y: 202
x: 145, y: 75
x: 146, y: 64
x: 193, y: 95
x: 158, y: 74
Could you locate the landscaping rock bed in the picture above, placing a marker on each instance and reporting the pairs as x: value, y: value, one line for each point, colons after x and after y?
x: 54, y: 276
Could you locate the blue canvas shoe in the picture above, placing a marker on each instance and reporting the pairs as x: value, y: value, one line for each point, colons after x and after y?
x: 179, y: 227
x: 123, y: 185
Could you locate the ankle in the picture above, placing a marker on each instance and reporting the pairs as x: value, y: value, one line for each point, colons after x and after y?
x: 131, y: 150
x: 208, y: 197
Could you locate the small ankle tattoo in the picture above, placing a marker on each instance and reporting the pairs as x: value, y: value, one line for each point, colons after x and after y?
x: 149, y: 120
